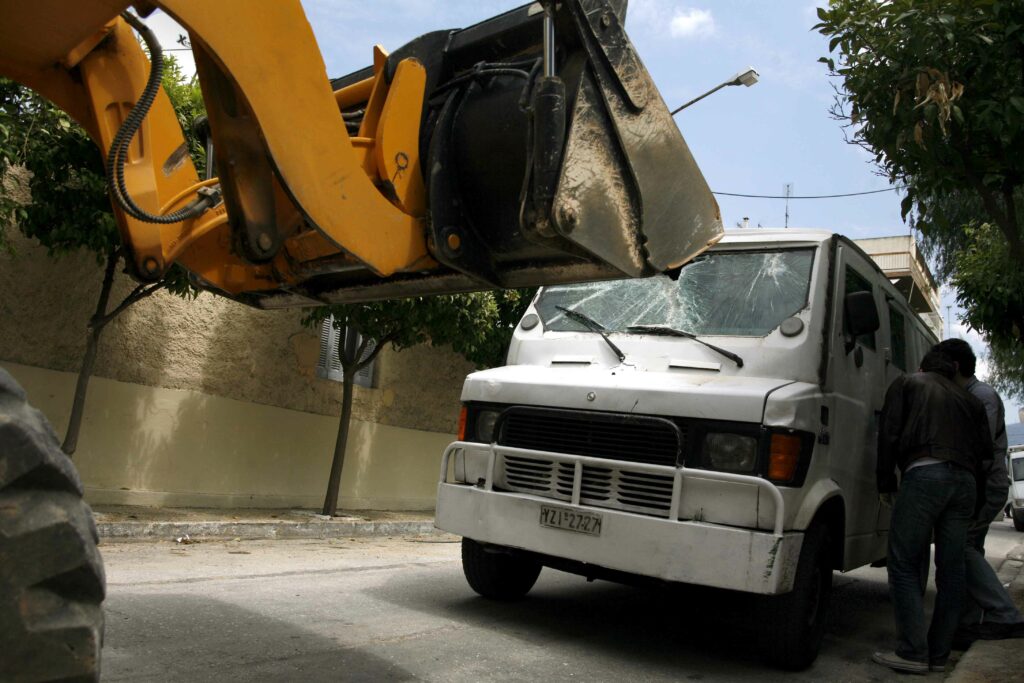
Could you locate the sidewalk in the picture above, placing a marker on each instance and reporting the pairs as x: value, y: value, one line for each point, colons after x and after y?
x: 996, y: 661
x: 124, y: 522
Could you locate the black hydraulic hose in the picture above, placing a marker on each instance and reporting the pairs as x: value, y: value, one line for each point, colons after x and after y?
x: 118, y: 153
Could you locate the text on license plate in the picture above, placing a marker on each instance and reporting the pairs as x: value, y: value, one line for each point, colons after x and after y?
x: 570, y: 520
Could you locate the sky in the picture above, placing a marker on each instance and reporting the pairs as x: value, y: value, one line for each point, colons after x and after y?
x: 746, y: 140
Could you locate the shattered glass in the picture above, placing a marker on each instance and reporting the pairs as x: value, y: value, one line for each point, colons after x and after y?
x: 734, y: 293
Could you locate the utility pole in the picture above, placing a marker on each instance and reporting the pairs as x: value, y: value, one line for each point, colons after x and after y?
x: 787, y: 189
x: 949, y: 319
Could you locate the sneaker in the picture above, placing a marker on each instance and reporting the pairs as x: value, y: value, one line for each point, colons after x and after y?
x: 897, y: 663
x: 936, y: 666
x: 999, y: 631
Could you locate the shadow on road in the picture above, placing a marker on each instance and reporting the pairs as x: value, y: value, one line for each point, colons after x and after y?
x: 179, y: 637
x: 697, y: 632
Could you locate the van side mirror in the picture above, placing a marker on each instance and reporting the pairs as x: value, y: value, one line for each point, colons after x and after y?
x: 860, y: 316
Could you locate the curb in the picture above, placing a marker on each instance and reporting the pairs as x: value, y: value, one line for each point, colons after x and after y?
x: 996, y: 661
x: 264, y: 530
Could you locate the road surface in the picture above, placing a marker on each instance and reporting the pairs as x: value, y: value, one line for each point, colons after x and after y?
x: 397, y: 609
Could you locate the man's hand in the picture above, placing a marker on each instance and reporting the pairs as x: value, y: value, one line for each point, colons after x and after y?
x: 887, y: 499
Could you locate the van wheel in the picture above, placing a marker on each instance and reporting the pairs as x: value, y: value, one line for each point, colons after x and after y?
x: 495, y: 574
x: 793, y: 625
x: 1018, y: 520
x: 51, y: 574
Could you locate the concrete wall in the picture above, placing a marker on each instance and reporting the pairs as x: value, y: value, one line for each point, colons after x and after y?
x: 214, y: 400
x: 144, y: 445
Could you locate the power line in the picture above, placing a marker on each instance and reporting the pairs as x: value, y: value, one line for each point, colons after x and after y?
x: 809, y: 196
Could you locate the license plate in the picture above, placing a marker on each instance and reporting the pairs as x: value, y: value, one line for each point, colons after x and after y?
x: 570, y: 520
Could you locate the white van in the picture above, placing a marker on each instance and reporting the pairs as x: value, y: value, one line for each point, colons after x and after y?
x: 1016, y: 469
x: 714, y: 428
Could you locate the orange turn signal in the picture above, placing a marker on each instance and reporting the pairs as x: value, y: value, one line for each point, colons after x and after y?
x: 462, y: 424
x: 784, y: 456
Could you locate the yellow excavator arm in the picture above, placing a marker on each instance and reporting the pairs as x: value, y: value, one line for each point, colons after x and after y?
x: 532, y: 148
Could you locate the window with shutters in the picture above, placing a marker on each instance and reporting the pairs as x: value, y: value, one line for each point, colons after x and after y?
x: 329, y: 366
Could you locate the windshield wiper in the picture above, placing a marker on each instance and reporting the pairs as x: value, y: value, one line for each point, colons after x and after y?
x: 672, y: 332
x: 593, y: 326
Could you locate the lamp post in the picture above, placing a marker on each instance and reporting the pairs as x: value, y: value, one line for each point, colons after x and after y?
x: 747, y: 78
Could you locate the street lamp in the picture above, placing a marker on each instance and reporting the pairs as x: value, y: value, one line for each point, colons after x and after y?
x: 747, y: 78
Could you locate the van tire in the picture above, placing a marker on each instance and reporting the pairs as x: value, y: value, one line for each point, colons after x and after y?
x: 1018, y: 520
x: 495, y: 574
x: 792, y: 625
x: 52, y: 582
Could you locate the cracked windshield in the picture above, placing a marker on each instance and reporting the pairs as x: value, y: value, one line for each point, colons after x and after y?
x: 738, y: 293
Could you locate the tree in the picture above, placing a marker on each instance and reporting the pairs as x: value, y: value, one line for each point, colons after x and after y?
x: 70, y: 209
x: 935, y: 90
x: 970, y: 255
x: 477, y: 326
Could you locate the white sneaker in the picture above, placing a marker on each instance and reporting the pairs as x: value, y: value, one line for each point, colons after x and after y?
x: 897, y: 663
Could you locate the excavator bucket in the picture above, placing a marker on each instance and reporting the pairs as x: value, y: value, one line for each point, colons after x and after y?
x: 548, y: 156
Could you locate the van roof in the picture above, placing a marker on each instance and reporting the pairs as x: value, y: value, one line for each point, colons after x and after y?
x: 776, y: 235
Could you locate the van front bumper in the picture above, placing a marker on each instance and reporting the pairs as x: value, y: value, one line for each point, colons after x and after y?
x: 684, y: 551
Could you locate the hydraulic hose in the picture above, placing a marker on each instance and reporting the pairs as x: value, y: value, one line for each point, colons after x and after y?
x: 117, y: 156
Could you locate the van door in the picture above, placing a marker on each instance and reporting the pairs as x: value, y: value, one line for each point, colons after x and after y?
x: 896, y: 355
x: 857, y: 378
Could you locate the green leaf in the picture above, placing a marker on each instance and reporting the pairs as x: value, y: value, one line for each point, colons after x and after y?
x: 905, y: 206
x: 1017, y: 102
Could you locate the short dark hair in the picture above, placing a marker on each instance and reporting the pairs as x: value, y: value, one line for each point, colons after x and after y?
x: 937, y: 361
x: 960, y: 352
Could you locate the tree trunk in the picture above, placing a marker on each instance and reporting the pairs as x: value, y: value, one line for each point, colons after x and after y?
x: 334, y: 482
x: 96, y: 325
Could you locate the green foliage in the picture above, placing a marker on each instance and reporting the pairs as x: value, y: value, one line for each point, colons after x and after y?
x: 989, y: 285
x: 1006, y: 370
x: 935, y: 90
x: 22, y: 115
x: 478, y: 325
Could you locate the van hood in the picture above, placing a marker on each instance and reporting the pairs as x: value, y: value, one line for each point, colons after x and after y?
x: 626, y: 390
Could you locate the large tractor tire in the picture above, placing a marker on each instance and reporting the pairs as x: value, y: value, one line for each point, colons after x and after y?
x: 495, y: 574
x: 51, y: 574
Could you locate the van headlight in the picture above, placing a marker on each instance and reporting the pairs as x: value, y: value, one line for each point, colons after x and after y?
x: 485, y: 421
x: 730, y: 452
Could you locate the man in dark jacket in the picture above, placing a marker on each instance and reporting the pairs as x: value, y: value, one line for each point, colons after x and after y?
x: 937, y: 435
x: 989, y: 612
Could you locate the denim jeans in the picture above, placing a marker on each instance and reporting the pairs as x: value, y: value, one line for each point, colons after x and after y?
x: 986, y: 600
x: 935, y: 499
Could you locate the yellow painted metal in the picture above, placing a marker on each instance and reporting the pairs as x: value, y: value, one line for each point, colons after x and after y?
x: 268, y: 51
x: 354, y: 94
x: 90, y: 64
x: 114, y: 74
x: 398, y: 139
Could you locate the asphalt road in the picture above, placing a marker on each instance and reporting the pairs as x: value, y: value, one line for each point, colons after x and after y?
x: 399, y: 609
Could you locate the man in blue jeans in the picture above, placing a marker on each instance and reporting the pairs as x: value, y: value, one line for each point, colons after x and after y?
x: 989, y: 612
x: 937, y: 435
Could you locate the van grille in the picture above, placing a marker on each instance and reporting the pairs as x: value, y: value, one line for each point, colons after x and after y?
x: 610, y: 487
x: 633, y: 438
